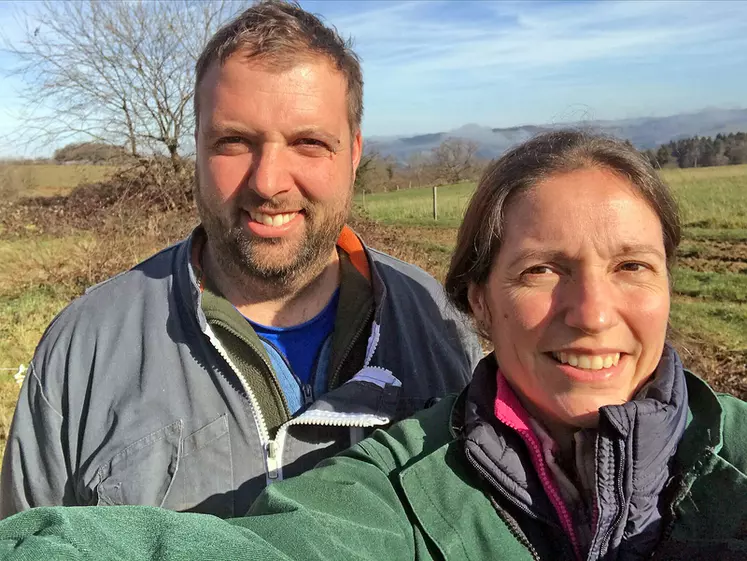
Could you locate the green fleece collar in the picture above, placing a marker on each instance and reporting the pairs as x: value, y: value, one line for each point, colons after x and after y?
x: 246, y: 351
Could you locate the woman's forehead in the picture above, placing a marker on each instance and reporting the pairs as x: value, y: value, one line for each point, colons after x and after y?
x: 592, y: 205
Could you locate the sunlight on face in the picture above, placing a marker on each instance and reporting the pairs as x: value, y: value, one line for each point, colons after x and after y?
x: 276, y: 162
x: 578, y: 296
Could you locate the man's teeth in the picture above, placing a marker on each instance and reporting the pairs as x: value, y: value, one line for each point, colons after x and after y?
x: 588, y: 362
x: 272, y: 219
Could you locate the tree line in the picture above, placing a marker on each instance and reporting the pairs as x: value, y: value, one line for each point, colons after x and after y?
x: 701, y: 151
x: 454, y: 160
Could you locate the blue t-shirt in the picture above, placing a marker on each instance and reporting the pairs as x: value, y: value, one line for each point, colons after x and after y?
x: 300, y: 344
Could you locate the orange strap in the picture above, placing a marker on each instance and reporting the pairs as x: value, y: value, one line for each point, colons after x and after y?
x: 348, y: 242
x: 351, y: 245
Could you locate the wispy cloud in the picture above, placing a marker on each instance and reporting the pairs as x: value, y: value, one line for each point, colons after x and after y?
x: 432, y: 65
x: 422, y: 55
x: 416, y: 38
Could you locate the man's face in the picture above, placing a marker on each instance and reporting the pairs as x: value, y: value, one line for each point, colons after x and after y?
x: 276, y: 162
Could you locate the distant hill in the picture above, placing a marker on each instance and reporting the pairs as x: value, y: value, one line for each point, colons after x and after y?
x: 644, y: 132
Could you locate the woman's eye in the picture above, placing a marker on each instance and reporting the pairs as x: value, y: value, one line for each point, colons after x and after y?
x: 632, y: 267
x: 538, y: 270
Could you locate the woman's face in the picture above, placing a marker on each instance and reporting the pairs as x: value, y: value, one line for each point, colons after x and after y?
x: 577, y: 301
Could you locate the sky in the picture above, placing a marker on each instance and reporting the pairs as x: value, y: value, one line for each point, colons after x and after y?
x: 432, y: 66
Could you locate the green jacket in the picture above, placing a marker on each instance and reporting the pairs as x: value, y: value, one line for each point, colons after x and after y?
x: 406, y: 494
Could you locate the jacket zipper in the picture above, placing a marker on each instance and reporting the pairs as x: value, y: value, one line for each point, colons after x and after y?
x: 513, y: 526
x: 332, y: 382
x: 506, y: 495
x: 322, y: 418
x: 618, y: 515
x: 259, y: 419
x: 563, y: 514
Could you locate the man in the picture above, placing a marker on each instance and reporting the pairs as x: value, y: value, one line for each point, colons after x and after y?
x: 268, y: 340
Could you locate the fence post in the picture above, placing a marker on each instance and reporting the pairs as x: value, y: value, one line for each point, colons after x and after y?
x: 435, y: 202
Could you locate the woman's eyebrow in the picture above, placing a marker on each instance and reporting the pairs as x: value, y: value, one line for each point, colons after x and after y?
x: 640, y: 249
x: 629, y: 249
x: 536, y: 254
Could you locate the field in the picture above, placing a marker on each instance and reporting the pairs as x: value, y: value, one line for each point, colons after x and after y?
x: 44, y: 180
x: 42, y: 272
x: 709, y: 314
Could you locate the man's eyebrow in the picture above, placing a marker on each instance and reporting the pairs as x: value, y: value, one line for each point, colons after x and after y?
x: 228, y: 129
x: 319, y: 133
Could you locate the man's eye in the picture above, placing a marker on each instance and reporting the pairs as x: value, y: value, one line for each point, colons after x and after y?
x: 231, y: 145
x: 313, y: 144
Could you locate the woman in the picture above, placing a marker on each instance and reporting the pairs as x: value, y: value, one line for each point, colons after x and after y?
x: 580, y: 436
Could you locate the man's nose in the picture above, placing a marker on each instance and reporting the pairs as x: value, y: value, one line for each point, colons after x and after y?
x: 591, y: 304
x: 269, y: 174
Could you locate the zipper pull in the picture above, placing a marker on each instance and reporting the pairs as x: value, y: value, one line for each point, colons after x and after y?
x: 272, y: 461
x: 308, y: 397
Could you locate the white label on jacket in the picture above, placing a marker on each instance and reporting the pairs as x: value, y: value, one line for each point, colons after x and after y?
x: 373, y: 343
x: 376, y: 375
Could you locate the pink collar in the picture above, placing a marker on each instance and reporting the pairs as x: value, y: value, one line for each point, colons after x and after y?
x: 509, y: 411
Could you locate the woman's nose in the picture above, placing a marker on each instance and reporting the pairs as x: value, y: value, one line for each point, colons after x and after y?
x: 590, y: 305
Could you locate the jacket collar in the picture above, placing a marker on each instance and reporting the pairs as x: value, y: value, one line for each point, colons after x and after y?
x: 187, y: 276
x: 637, y: 439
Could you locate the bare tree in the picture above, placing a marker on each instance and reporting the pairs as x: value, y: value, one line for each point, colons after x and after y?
x: 455, y: 158
x: 114, y: 71
x: 364, y: 176
x: 417, y: 166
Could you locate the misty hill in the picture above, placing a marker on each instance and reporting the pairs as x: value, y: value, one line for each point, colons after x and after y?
x: 644, y: 132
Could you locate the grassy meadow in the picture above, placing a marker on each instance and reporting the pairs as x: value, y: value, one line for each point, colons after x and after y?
x: 709, y: 314
x: 42, y: 272
x: 45, y: 180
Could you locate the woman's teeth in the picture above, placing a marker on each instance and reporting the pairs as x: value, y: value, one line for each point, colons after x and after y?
x: 272, y: 219
x: 588, y: 362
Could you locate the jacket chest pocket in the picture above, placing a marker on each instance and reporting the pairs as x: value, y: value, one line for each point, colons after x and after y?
x: 165, y: 469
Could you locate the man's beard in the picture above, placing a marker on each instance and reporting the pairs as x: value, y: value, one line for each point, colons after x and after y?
x: 247, y: 259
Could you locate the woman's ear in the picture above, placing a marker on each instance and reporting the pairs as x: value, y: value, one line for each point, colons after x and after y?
x: 480, y: 310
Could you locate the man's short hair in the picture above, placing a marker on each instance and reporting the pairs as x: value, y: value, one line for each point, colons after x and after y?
x: 282, y: 34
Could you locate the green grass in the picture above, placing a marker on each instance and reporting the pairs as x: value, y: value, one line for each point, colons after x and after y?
x: 713, y: 202
x: 44, y: 180
x: 711, y: 198
x: 723, y: 324
x: 718, y: 287
x: 716, y: 234
x: 31, y: 293
x: 414, y: 207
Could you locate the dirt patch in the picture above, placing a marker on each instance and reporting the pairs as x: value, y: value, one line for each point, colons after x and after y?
x: 726, y: 371
x: 713, y: 256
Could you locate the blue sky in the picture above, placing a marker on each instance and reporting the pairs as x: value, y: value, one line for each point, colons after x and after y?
x: 431, y: 66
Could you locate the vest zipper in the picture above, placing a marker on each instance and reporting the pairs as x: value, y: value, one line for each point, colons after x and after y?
x: 308, y: 394
x: 486, y: 474
x: 618, y: 515
x: 306, y: 389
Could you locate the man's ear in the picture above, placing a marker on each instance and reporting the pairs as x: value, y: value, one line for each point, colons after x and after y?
x: 357, y: 148
x: 478, y: 304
